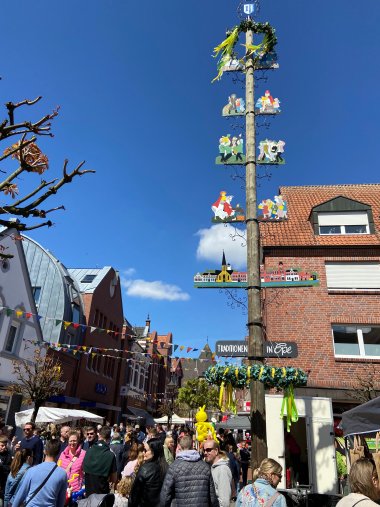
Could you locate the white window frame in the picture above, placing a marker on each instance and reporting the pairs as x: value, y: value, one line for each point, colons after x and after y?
x: 342, y: 220
x: 359, y: 333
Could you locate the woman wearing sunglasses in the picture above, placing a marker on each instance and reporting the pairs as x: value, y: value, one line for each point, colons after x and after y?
x: 262, y: 491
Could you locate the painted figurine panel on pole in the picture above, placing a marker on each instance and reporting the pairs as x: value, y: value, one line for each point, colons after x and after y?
x: 229, y: 278
x: 235, y: 106
x: 287, y: 277
x: 231, y: 150
x: 224, y: 212
x: 267, y: 61
x: 270, y: 152
x: 266, y: 104
x: 273, y: 210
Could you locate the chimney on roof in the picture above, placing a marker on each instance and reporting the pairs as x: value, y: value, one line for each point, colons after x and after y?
x: 147, y: 323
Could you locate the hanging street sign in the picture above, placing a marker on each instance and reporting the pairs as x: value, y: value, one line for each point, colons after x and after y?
x: 231, y: 348
x: 248, y: 9
x: 239, y: 348
x: 280, y: 349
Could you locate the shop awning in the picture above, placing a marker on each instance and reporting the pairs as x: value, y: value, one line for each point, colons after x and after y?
x: 362, y: 419
x: 140, y: 413
x: 236, y: 423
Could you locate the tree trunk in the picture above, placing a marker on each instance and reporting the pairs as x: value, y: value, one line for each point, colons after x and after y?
x: 37, y: 406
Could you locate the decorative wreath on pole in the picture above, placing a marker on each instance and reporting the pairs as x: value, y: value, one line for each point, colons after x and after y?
x: 230, y: 377
x: 226, y: 48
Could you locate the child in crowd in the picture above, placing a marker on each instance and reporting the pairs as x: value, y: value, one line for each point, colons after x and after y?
x: 123, y: 491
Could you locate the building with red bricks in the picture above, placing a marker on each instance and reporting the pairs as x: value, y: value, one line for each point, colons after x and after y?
x: 101, y: 369
x: 333, y: 231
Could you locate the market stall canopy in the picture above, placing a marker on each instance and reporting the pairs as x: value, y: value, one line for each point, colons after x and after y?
x: 175, y: 419
x: 235, y: 423
x: 56, y: 415
x: 362, y: 419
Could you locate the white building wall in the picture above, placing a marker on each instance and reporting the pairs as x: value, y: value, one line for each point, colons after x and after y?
x: 15, y: 293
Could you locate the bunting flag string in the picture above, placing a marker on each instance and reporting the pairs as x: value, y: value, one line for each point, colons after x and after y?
x: 66, y: 324
x: 93, y: 351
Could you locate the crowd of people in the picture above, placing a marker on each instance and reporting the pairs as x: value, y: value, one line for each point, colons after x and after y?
x: 137, y: 466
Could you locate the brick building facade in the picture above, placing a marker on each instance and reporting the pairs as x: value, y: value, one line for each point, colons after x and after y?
x: 333, y: 231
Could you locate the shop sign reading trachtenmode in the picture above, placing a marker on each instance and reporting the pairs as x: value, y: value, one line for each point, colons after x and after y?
x: 239, y: 348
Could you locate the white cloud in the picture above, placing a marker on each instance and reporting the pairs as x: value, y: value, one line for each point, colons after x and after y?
x: 151, y: 290
x: 217, y: 238
x: 129, y: 272
x: 154, y: 290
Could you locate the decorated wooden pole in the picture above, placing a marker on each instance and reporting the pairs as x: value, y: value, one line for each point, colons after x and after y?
x: 255, y: 331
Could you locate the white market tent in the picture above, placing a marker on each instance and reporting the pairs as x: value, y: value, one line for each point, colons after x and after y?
x: 175, y: 419
x: 56, y: 415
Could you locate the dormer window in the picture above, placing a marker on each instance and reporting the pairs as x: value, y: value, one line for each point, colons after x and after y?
x: 343, y: 223
x: 342, y: 216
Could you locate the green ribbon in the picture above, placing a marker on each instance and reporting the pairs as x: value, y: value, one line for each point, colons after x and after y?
x: 289, y: 405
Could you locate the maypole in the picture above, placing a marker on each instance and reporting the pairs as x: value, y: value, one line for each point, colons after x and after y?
x: 254, y: 324
x: 255, y: 373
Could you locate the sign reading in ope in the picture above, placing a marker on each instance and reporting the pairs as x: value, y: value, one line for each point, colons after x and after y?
x: 239, y: 348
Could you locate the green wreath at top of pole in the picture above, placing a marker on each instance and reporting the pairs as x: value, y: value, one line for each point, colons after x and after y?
x: 240, y: 376
x: 226, y: 48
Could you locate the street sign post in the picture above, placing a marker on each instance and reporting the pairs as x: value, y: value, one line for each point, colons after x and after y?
x: 239, y: 348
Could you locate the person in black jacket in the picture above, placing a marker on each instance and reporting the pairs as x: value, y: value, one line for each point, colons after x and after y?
x: 188, y: 480
x: 147, y: 485
x: 5, y: 464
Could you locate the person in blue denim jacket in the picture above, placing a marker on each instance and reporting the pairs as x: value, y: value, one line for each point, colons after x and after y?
x: 262, y: 492
x: 21, y: 462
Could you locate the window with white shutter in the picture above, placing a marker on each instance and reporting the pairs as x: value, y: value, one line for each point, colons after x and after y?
x: 353, y: 275
x: 355, y: 222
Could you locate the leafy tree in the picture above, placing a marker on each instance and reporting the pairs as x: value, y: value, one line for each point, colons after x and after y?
x: 25, y: 203
x: 37, y: 379
x: 196, y: 393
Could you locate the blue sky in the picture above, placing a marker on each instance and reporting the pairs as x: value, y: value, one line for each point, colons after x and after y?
x: 134, y: 84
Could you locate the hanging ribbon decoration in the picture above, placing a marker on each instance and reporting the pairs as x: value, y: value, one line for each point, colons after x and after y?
x: 289, y: 404
x: 231, y: 377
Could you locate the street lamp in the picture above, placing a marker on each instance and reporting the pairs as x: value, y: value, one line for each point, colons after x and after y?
x: 171, y: 392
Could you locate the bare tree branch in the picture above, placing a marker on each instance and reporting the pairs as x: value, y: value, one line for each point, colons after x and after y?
x: 31, y: 160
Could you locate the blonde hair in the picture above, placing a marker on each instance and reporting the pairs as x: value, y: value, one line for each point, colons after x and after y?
x: 267, y: 467
x: 140, y: 461
x: 362, y: 473
x: 124, y: 486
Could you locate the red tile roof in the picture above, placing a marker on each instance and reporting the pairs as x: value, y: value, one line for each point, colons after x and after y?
x: 298, y: 230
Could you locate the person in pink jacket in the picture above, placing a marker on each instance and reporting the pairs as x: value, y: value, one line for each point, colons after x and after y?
x: 71, y: 460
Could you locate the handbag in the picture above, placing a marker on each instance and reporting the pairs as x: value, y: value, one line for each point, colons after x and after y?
x: 357, y: 452
x: 24, y: 504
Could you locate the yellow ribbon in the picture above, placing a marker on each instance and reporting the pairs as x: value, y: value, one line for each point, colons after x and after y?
x: 261, y: 372
x: 221, y: 392
x: 237, y: 373
x: 249, y: 373
x: 289, y: 404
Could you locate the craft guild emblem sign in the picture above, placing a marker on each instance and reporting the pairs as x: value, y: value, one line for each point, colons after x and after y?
x: 248, y: 8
